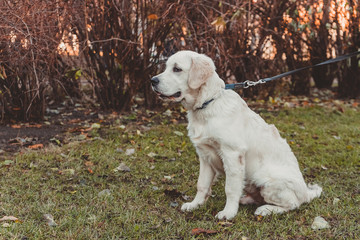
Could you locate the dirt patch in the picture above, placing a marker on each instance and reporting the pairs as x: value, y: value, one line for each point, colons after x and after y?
x: 58, y: 121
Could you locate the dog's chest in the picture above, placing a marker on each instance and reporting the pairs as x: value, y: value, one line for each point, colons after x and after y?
x: 202, y: 133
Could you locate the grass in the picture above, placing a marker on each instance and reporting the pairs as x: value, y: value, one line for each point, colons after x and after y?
x: 145, y: 202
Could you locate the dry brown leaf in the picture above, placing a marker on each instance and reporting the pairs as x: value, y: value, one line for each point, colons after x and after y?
x: 8, y: 218
x: 36, y: 146
x: 153, y: 17
x: 198, y: 231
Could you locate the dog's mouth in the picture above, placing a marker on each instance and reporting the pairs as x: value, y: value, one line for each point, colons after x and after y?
x: 171, y: 97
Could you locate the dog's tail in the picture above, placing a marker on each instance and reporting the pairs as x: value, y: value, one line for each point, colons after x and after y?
x: 314, y: 191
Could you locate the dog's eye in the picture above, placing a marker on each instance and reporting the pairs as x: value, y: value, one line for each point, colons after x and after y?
x: 176, y: 69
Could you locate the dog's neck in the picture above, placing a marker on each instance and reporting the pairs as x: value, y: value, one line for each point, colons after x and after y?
x: 205, y: 104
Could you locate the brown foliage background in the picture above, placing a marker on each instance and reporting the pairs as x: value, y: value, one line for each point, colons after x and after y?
x: 115, y: 46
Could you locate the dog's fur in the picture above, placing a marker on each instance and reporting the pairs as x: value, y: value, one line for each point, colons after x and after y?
x: 233, y: 140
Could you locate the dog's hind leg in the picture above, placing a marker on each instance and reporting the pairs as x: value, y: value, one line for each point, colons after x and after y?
x: 252, y: 196
x: 280, y: 196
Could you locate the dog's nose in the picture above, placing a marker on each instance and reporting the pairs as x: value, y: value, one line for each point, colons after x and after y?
x: 154, y: 81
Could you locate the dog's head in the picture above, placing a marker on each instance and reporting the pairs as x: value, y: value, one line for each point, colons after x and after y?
x: 189, y: 77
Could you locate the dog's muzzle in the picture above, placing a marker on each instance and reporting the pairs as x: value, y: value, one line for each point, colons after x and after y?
x: 155, y: 82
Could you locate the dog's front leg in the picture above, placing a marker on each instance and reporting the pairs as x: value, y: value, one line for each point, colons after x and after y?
x: 205, y: 180
x: 234, y: 168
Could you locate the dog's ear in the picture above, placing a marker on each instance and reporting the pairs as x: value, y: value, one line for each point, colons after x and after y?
x: 202, y: 67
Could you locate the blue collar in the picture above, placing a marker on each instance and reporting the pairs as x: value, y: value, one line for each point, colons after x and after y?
x: 205, y: 104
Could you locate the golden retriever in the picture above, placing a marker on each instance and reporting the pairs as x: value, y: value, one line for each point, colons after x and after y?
x: 233, y: 140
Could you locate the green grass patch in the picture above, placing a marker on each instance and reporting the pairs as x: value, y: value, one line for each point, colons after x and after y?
x: 78, y: 186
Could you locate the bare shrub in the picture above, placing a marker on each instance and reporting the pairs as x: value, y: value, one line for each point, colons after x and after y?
x: 120, y: 42
x: 30, y: 33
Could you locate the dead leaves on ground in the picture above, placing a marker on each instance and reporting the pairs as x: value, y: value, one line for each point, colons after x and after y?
x: 6, y: 219
x: 198, y: 231
x: 317, y: 99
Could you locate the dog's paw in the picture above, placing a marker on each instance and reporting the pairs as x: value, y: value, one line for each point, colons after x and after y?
x: 265, y: 210
x: 190, y: 206
x: 226, y: 214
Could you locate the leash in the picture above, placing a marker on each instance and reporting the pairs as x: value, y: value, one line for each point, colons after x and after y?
x: 249, y: 83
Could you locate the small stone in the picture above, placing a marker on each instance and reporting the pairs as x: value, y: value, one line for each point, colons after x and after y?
x: 5, y: 225
x: 320, y: 223
x: 105, y: 192
x: 174, y: 204
x: 50, y: 220
x: 152, y: 154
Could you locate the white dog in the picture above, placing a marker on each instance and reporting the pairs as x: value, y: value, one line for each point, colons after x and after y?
x: 233, y: 140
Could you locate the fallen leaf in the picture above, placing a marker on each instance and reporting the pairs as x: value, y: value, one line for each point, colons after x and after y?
x: 15, y: 126
x: 122, y: 167
x: 5, y: 225
x: 336, y: 200
x: 57, y: 141
x: 105, y: 192
x: 319, y: 223
x: 90, y: 170
x: 152, y: 17
x: 349, y: 147
x: 8, y: 218
x: 50, y: 220
x: 225, y: 223
x: 152, y: 154
x: 198, y: 231
x: 174, y: 204
x: 68, y: 171
x: 178, y: 133
x: 89, y: 163
x: 259, y: 218
x: 167, y: 177
x: 315, y: 136
x: 95, y: 126
x: 34, y: 126
x: 6, y: 163
x: 36, y: 146
x: 130, y: 151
